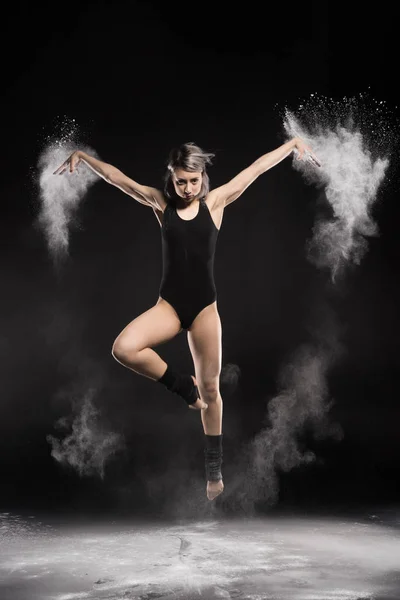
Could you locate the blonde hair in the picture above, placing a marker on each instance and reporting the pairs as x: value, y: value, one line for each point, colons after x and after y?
x: 191, y: 158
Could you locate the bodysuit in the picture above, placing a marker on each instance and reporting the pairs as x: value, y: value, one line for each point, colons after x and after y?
x: 188, y: 248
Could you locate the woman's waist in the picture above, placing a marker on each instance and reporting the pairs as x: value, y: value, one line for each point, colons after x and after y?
x: 187, y: 278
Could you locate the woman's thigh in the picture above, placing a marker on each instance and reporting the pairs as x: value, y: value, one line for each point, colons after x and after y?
x: 152, y: 328
x: 205, y: 343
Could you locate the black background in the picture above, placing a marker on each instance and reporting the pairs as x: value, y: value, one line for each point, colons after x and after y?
x: 139, y: 78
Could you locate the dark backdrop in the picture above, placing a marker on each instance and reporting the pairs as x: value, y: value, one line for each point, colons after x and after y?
x: 140, y: 78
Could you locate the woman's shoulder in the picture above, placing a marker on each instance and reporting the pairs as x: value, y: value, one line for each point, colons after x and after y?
x: 161, y: 201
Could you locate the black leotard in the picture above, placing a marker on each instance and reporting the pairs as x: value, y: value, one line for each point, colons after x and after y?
x: 188, y: 248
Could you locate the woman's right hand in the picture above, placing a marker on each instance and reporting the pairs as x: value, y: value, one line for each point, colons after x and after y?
x: 304, y: 152
x: 72, y: 162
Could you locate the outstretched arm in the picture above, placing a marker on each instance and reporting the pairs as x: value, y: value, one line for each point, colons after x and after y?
x: 229, y: 192
x: 144, y: 194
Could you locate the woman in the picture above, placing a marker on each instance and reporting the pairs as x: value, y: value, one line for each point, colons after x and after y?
x: 190, y: 216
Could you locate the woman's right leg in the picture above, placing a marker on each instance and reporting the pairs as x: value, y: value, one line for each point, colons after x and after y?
x: 132, y: 348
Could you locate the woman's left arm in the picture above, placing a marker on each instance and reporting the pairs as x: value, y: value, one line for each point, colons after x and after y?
x: 229, y: 192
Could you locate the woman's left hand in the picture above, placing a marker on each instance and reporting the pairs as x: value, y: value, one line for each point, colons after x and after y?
x: 304, y: 152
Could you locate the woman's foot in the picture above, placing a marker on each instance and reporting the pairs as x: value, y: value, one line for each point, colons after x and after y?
x: 199, y: 404
x: 214, y: 489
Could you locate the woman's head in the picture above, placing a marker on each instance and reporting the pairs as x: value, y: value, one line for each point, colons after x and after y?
x: 186, y: 173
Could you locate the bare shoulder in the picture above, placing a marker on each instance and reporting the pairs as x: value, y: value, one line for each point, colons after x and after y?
x: 149, y: 196
x: 159, y: 201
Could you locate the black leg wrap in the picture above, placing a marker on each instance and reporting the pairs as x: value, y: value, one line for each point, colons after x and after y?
x: 213, y: 457
x: 183, y: 385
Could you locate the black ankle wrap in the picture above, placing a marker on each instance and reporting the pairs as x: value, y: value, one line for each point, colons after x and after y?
x: 183, y: 385
x: 213, y: 457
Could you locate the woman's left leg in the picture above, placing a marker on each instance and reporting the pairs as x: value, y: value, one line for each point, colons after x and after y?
x: 205, y: 343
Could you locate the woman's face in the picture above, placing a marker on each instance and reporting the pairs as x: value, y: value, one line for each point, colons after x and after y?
x: 187, y: 184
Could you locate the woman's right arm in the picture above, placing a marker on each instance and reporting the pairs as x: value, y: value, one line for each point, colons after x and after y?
x: 146, y: 195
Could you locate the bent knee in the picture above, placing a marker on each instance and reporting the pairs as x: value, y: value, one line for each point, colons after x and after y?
x: 124, y: 351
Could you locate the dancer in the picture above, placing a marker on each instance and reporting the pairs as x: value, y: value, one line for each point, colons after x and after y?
x: 190, y: 217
